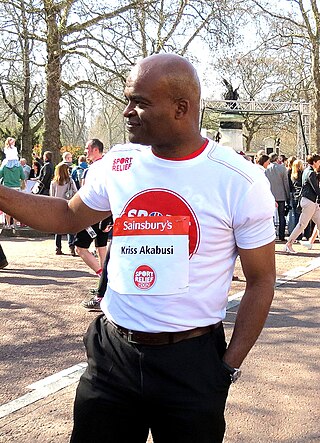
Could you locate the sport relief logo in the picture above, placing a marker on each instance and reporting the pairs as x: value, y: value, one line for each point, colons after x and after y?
x: 144, y: 277
x: 122, y: 164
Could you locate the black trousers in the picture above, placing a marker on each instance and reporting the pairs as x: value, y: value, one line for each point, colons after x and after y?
x: 2, y: 255
x: 178, y: 390
x: 282, y: 219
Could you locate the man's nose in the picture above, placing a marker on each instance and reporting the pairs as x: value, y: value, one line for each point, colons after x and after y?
x: 129, y: 110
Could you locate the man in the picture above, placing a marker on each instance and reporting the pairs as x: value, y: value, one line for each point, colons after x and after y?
x: 94, y: 152
x: 26, y: 168
x: 45, y: 176
x: 263, y: 162
x: 184, y: 208
x: 278, y: 177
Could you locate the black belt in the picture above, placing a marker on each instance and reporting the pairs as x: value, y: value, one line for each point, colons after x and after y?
x: 161, y: 338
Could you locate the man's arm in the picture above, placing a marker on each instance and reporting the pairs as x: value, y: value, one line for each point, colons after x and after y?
x: 286, y: 183
x: 259, y: 269
x: 49, y: 214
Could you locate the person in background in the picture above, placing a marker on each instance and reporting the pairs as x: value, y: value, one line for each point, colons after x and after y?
x: 282, y: 159
x: 310, y: 196
x: 96, y: 294
x: 26, y: 168
x: 10, y: 151
x: 67, y: 159
x: 3, y: 259
x: 35, y: 169
x: 78, y: 171
x: 296, y: 181
x: 36, y: 158
x: 263, y: 162
x: 258, y: 155
x: 289, y: 208
x: 157, y: 357
x: 13, y: 177
x: 46, y: 174
x: 59, y: 186
x: 288, y: 165
x: 278, y: 177
x: 95, y: 233
x: 315, y: 232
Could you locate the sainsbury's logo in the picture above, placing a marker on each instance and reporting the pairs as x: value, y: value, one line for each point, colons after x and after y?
x: 121, y: 164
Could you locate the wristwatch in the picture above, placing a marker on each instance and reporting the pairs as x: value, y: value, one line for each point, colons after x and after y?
x: 235, y: 373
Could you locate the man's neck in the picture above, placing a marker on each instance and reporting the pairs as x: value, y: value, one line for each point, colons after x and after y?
x: 182, y: 150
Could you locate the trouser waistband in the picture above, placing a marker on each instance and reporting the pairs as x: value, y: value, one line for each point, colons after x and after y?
x: 161, y: 338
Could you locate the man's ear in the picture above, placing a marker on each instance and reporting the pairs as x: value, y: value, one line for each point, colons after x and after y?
x: 182, y: 108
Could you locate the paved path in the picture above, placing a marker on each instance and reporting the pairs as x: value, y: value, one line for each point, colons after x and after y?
x: 41, y: 326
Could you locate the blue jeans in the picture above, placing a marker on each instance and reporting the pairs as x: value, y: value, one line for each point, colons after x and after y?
x: 296, y: 213
x: 58, y: 239
x: 177, y: 390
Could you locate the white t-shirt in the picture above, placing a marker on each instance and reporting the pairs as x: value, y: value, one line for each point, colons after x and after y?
x: 11, y: 153
x: 229, y: 204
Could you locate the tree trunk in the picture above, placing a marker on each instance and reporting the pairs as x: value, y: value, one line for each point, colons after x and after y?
x: 26, y: 134
x: 51, y: 135
x: 316, y: 78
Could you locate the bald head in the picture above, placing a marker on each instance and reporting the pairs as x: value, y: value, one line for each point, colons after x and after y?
x: 163, y: 93
x: 176, y: 72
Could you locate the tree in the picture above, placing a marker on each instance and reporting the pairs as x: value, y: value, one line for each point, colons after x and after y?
x: 299, y: 27
x: 22, y: 98
x: 109, y: 125
x: 93, y: 43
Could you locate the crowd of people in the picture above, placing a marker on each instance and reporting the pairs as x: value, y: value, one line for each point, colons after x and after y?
x: 295, y: 187
x: 63, y: 181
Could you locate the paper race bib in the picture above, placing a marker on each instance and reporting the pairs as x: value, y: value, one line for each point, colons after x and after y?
x: 150, y: 255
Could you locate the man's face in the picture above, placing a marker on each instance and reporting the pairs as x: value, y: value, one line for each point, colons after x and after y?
x: 266, y: 164
x: 150, y: 110
x: 316, y: 165
x: 92, y: 153
x: 68, y: 158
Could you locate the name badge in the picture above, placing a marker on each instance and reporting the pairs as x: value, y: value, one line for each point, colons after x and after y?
x: 150, y: 255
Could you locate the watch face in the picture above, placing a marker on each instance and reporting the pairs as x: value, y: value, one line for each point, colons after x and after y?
x: 235, y: 375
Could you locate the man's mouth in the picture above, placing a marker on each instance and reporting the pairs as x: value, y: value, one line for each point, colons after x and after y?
x: 132, y: 125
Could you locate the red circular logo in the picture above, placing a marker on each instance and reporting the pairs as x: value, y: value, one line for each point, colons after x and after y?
x: 144, y: 277
x: 159, y: 201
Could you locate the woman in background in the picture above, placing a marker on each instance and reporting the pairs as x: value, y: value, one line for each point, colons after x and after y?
x: 296, y: 186
x: 35, y: 169
x: 310, y: 195
x: 62, y: 185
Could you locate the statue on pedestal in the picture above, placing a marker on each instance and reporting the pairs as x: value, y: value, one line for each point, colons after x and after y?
x: 230, y: 94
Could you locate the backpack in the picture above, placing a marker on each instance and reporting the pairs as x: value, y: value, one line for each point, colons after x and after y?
x: 77, y: 176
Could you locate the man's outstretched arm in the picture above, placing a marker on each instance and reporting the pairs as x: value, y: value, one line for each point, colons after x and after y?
x: 259, y: 269
x: 49, y: 214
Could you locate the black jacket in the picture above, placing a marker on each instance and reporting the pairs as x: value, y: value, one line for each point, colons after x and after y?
x: 297, y: 186
x: 45, y: 177
x: 310, y: 185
